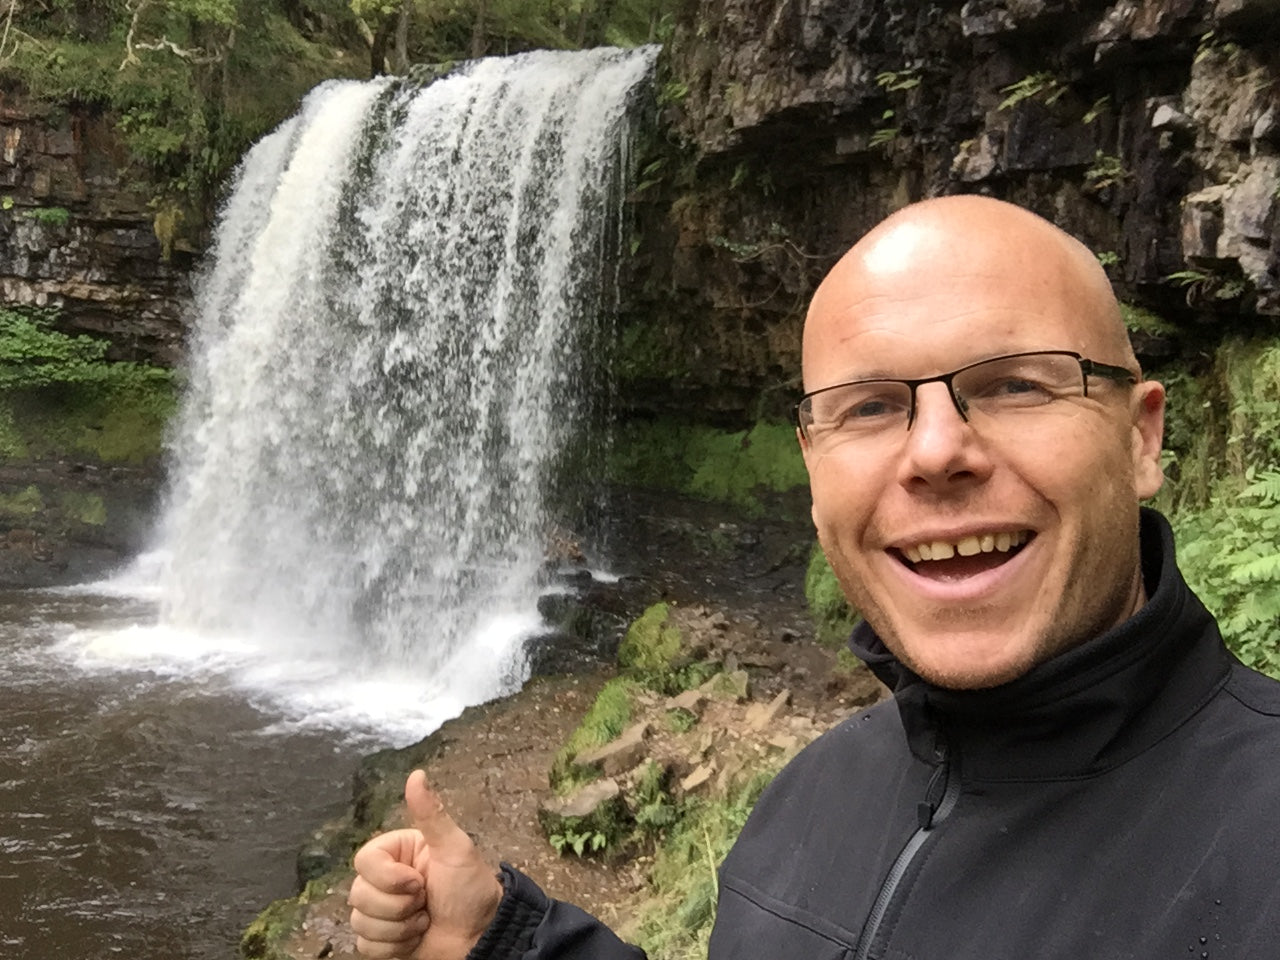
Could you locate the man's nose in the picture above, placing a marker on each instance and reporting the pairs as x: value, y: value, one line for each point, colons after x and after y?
x: 941, y: 445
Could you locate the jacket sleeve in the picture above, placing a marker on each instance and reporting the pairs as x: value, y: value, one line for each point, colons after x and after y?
x: 530, y: 925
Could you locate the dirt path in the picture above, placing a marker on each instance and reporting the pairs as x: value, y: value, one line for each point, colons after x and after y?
x: 491, y: 768
x: 491, y: 774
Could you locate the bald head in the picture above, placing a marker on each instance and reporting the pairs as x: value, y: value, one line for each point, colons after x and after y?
x: 954, y: 246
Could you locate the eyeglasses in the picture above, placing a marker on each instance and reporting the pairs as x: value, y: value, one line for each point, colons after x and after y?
x: 998, y: 388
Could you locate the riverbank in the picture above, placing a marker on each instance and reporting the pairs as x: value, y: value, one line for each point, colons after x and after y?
x: 768, y: 696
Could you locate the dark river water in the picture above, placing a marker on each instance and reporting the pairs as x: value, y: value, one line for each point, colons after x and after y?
x: 149, y: 807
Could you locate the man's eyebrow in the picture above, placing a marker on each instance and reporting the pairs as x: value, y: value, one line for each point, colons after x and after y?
x: 875, y: 374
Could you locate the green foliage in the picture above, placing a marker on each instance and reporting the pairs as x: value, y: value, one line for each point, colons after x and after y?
x: 1106, y: 170
x: 1224, y: 494
x: 833, y: 617
x: 733, y: 466
x: 619, y: 826
x: 263, y: 938
x: 1100, y: 105
x: 88, y: 509
x: 189, y: 83
x: 652, y: 653
x: 884, y: 133
x: 1108, y: 258
x: 652, y: 805
x: 579, y: 842
x: 729, y: 466
x: 1043, y: 85
x: 438, y: 30
x: 651, y: 175
x: 49, y: 216
x: 644, y: 353
x: 744, y: 251
x: 676, y: 922
x: 672, y: 92
x: 60, y: 396
x: 1202, y: 284
x: 1230, y: 554
x: 1211, y: 45
x: 1141, y: 320
x: 893, y: 80
x: 33, y: 354
x: 680, y: 720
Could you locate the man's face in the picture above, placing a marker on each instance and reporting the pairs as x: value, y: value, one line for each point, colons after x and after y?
x: 1064, y: 483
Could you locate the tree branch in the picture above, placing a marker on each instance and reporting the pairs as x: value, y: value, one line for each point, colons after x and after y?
x: 132, y: 44
x: 4, y: 38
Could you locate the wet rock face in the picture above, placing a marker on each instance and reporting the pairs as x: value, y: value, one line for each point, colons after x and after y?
x: 1148, y: 128
x: 77, y: 235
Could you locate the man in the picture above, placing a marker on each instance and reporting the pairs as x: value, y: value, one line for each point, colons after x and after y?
x: 1073, y: 767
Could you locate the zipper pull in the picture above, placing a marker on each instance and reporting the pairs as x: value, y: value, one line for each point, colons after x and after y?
x: 924, y: 813
x: 927, y: 807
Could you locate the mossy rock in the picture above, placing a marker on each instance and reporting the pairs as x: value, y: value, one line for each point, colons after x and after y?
x: 652, y: 642
x: 21, y: 505
x: 608, y: 716
x: 263, y: 939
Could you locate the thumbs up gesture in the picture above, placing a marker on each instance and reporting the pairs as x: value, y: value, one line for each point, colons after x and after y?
x: 424, y: 892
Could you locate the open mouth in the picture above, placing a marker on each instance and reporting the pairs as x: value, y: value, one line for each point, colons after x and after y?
x: 967, y: 557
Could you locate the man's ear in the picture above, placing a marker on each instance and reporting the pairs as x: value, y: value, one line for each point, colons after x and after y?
x: 1148, y: 437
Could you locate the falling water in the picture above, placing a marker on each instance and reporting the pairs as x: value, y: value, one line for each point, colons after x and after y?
x: 392, y: 353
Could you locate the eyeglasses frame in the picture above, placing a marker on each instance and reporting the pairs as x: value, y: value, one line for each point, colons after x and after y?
x: 1088, y: 368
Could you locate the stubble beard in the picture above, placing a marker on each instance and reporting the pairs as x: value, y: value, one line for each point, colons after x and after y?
x: 1059, y: 631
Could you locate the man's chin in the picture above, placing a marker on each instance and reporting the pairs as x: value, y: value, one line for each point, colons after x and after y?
x: 970, y: 665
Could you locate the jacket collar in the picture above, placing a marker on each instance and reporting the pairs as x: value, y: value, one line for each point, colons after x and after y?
x: 1086, y: 710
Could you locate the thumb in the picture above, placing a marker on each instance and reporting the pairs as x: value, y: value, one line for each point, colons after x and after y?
x: 428, y: 816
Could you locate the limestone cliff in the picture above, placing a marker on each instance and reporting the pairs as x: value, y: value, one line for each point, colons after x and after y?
x: 785, y: 128
x: 1148, y: 128
x: 76, y: 234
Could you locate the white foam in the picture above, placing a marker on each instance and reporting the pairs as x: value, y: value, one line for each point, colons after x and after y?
x: 388, y: 702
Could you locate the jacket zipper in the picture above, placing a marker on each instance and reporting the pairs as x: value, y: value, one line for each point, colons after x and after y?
x: 929, y: 814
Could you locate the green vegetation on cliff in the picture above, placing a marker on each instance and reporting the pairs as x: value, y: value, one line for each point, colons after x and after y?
x: 732, y: 466
x: 192, y: 83
x: 432, y: 31
x: 1223, y: 495
x: 60, y: 397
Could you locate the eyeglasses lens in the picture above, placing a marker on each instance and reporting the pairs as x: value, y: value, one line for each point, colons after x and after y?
x: 994, y: 389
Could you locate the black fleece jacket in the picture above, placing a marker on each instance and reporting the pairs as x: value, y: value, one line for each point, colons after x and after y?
x: 1120, y: 801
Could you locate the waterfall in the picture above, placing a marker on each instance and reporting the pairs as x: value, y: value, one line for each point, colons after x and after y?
x: 392, y: 350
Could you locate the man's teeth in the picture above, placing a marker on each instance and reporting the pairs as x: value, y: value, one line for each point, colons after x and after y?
x: 967, y: 547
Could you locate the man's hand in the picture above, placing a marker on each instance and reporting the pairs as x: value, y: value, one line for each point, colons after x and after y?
x: 424, y: 892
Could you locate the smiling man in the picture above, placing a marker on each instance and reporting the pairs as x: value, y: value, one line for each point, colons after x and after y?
x: 1072, y: 766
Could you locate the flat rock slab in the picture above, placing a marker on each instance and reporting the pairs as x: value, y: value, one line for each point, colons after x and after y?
x: 584, y: 801
x: 618, y: 756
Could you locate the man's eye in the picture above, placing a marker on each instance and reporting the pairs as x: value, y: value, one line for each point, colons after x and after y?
x: 1015, y: 389
x: 868, y: 409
